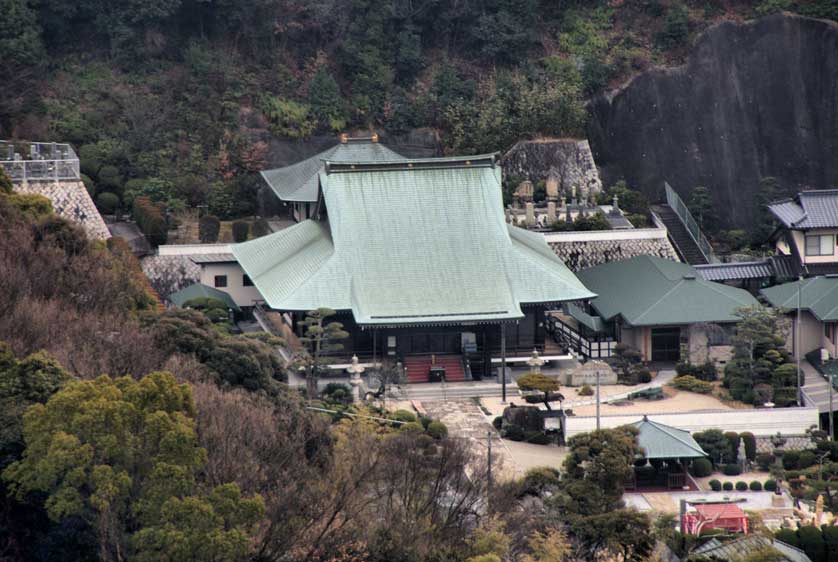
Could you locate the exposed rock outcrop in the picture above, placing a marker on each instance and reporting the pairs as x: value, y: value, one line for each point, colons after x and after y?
x: 753, y: 100
x: 569, y: 161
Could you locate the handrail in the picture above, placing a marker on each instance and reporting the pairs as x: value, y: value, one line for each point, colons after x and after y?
x: 39, y: 161
x: 677, y: 204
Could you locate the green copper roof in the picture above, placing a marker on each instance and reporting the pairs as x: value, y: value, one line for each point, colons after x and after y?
x: 417, y: 241
x: 650, y: 291
x: 819, y: 295
x: 660, y: 441
x: 197, y: 291
x: 299, y: 182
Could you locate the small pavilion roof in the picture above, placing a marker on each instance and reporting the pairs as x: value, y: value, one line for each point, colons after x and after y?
x: 300, y: 181
x: 660, y: 441
x: 818, y: 295
x: 651, y: 291
x: 410, y: 242
x: 199, y: 290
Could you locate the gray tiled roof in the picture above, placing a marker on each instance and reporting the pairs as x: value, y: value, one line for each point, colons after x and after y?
x: 300, y: 181
x: 582, y: 254
x: 169, y: 274
x: 736, y: 270
x: 810, y: 209
x: 742, y: 547
x: 212, y: 258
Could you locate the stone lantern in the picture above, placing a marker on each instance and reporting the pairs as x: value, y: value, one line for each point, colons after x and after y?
x: 535, y: 362
x: 355, y: 370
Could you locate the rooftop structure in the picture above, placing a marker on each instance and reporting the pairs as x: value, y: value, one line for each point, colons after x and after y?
x: 818, y: 295
x: 199, y: 290
x: 650, y: 291
x: 702, y: 517
x: 299, y: 183
x: 408, y: 242
x: 810, y: 209
x: 660, y: 441
x: 740, y: 548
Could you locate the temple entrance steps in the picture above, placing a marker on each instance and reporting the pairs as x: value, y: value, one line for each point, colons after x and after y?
x: 417, y: 367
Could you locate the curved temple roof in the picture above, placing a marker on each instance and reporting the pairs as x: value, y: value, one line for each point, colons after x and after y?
x: 299, y: 182
x: 412, y: 241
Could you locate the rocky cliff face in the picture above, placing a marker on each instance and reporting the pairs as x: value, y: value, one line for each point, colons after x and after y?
x: 753, y: 100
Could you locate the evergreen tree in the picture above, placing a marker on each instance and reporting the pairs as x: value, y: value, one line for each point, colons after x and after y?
x: 326, y: 101
x: 320, y: 338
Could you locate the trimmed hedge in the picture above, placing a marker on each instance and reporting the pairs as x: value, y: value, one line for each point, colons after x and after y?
x: 741, y: 486
x: 701, y: 468
x: 750, y: 445
x: 691, y: 384
x: 715, y: 485
x: 497, y: 423
x: 150, y: 220
x: 755, y: 486
x: 241, y: 230
x: 727, y: 486
x: 403, y: 416
x: 208, y: 229
x: 107, y: 202
x: 770, y: 485
x: 732, y: 469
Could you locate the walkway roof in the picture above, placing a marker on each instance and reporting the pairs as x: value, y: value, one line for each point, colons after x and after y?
x: 199, y: 290
x: 410, y: 242
x: 299, y: 182
x: 660, y: 441
x: 651, y: 291
x: 818, y: 295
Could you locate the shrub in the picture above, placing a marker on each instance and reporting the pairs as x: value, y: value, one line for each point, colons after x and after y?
x: 765, y: 460
x: 497, y: 423
x: 701, y: 468
x: 691, y: 384
x: 755, y: 486
x: 727, y: 486
x: 791, y: 460
x: 425, y: 421
x: 733, y: 438
x: 208, y: 229
x: 261, y: 228
x: 514, y: 432
x: 750, y: 445
x: 715, y: 485
x: 732, y: 469
x: 109, y: 178
x: 714, y: 444
x: 412, y: 427
x: 107, y: 203
x: 437, y: 430
x: 741, y: 486
x: 403, y: 416
x: 770, y: 485
x: 788, y: 536
x: 424, y: 441
x: 807, y: 458
x: 150, y: 220
x: 812, y: 543
x: 586, y: 390
x: 644, y: 375
x: 540, y: 478
x: 89, y: 185
x: 537, y: 438
x: 241, y: 230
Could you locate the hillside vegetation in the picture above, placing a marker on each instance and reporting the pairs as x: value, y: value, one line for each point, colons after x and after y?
x: 173, y: 99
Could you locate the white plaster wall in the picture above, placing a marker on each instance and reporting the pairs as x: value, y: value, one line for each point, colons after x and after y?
x: 243, y: 296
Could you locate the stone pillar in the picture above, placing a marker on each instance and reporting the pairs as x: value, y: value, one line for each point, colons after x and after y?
x: 530, y: 214
x: 551, y: 213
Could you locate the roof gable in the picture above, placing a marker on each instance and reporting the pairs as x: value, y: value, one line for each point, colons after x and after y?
x: 819, y: 295
x: 300, y: 181
x: 810, y: 209
x: 650, y: 291
x: 660, y: 441
x: 199, y: 290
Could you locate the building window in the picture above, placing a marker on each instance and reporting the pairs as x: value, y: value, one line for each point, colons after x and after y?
x: 246, y: 282
x: 823, y: 245
x: 220, y: 280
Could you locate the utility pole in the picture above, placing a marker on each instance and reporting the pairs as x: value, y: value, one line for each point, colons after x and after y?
x: 797, y: 343
x: 597, y: 399
x: 489, y: 470
x: 503, y: 362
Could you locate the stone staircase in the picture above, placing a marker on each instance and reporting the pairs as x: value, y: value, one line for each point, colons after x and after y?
x: 679, y: 235
x: 417, y: 367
